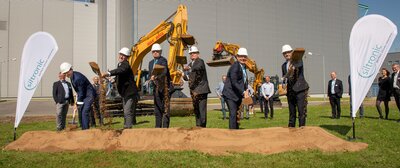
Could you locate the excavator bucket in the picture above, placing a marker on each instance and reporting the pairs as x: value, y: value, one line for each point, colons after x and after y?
x: 188, y: 39
x: 181, y: 60
x: 224, y: 61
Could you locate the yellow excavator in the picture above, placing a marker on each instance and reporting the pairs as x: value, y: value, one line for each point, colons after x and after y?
x: 224, y: 55
x: 175, y: 32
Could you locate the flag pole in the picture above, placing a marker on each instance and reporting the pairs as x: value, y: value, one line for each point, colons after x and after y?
x: 354, y: 128
x: 15, y: 133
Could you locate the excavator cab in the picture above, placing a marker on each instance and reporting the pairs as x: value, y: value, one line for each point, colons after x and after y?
x: 221, y: 57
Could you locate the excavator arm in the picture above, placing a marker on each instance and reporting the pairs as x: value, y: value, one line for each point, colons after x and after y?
x: 224, y: 55
x: 176, y: 33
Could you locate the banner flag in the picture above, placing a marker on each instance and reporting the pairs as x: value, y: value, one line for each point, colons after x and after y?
x: 370, y: 40
x: 37, y: 54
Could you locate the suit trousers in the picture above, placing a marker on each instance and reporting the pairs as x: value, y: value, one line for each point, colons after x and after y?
x: 129, y: 111
x: 62, y: 109
x: 200, y: 109
x: 233, y: 107
x: 83, y: 112
x: 223, y: 107
x: 268, y: 104
x: 396, y: 95
x: 335, y: 105
x: 297, y: 101
x: 261, y: 100
x: 162, y: 116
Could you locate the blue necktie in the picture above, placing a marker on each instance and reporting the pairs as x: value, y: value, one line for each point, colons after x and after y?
x: 155, y: 62
x: 244, y: 73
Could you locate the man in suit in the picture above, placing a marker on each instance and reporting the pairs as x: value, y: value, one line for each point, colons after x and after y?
x: 162, y: 83
x: 219, y: 90
x: 293, y: 72
x: 361, y: 109
x: 396, y: 85
x: 198, y: 85
x: 85, y: 93
x: 236, y: 87
x: 126, y: 86
x: 96, y: 103
x: 335, y: 91
x: 62, y: 95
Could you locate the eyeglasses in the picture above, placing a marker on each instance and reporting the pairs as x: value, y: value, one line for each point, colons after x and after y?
x: 155, y: 51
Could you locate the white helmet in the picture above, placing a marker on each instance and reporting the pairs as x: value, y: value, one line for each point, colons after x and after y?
x: 286, y: 48
x: 242, y: 51
x: 125, y: 51
x: 193, y: 49
x: 65, y: 67
x: 156, y: 47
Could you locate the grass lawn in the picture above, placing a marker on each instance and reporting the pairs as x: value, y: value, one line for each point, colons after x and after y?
x: 382, y: 136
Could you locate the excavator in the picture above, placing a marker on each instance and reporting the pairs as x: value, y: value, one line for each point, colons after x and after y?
x: 174, y: 30
x: 224, y: 55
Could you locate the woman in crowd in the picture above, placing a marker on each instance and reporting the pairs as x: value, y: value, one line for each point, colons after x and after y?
x: 384, y: 93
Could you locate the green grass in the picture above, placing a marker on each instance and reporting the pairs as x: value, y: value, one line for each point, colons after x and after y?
x: 382, y: 136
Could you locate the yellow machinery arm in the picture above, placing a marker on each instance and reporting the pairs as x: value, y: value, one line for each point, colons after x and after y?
x: 223, y: 56
x: 176, y: 34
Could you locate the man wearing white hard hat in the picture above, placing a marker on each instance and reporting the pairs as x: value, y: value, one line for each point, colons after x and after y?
x: 160, y: 81
x: 297, y: 87
x: 198, y: 84
x: 235, y: 88
x: 86, y: 94
x: 126, y: 86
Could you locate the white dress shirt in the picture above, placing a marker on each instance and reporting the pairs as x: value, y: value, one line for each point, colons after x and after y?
x: 267, y: 89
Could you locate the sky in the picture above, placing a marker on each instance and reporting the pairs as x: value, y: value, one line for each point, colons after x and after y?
x: 388, y: 8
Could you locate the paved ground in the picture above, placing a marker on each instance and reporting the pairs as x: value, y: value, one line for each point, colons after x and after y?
x: 46, y: 107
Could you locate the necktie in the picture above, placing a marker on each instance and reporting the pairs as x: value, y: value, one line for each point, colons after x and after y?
x: 244, y: 73
x: 155, y: 62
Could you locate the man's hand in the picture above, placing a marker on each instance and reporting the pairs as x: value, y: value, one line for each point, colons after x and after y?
x: 246, y: 94
x: 186, y: 68
x: 105, y: 74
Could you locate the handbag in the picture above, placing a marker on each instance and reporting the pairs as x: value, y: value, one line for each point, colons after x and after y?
x: 300, y: 85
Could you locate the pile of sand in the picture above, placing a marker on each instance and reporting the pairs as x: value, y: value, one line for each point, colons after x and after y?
x: 208, y: 140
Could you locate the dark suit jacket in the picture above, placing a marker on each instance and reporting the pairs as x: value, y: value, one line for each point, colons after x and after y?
x: 126, y: 84
x: 59, y: 93
x: 298, y: 74
x: 338, y: 88
x: 234, y: 84
x: 82, y: 86
x: 198, y: 82
x: 161, y: 61
x: 392, y: 80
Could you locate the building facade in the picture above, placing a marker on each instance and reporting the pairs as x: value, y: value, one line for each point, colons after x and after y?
x: 96, y: 30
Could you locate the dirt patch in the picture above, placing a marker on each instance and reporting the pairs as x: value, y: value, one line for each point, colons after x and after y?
x: 209, y: 140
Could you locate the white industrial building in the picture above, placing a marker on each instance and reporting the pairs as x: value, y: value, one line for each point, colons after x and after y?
x: 96, y: 30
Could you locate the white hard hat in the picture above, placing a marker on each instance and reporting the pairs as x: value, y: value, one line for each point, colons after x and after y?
x: 125, y: 51
x: 65, y: 67
x: 242, y: 51
x: 286, y: 48
x: 193, y: 49
x: 156, y: 47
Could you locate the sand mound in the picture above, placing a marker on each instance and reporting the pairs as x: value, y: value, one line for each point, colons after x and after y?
x: 209, y: 140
